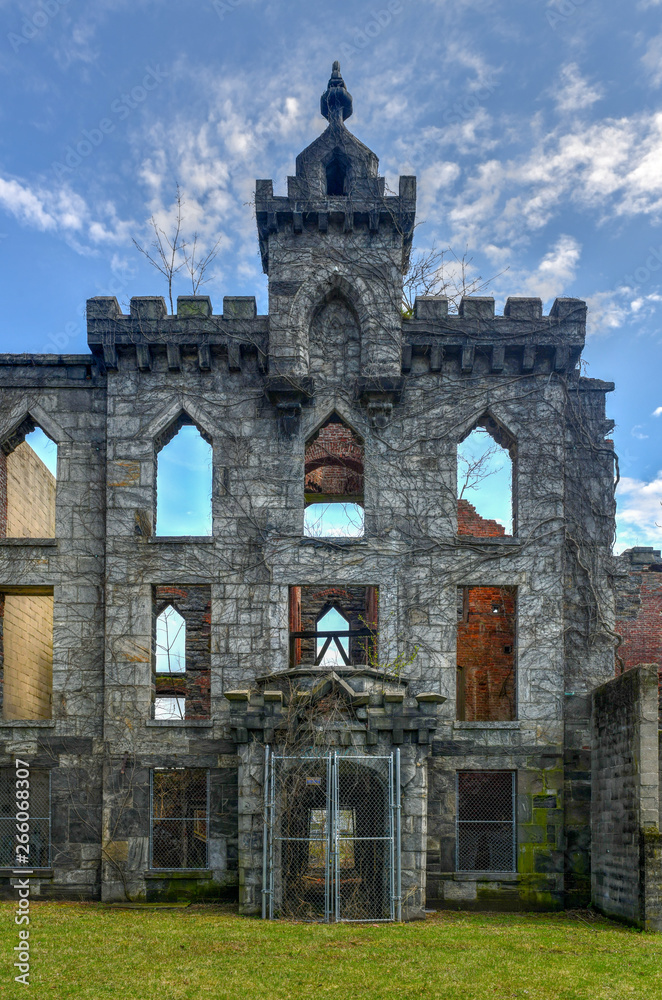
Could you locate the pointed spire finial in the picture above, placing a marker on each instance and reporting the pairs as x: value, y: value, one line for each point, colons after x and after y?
x: 336, y: 102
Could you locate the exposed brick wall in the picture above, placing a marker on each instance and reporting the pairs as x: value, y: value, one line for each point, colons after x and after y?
x: 30, y: 498
x: 469, y: 522
x: 27, y: 656
x: 194, y: 605
x: 334, y: 461
x: 486, y: 654
x: 640, y: 622
x: 639, y: 612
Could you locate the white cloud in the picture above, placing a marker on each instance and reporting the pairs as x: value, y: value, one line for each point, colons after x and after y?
x: 639, y: 517
x: 25, y: 205
x: 574, y: 92
x: 652, y: 60
x: 657, y: 412
x: 552, y: 276
x: 636, y: 432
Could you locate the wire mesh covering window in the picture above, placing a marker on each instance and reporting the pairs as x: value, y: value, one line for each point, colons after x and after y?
x: 486, y: 821
x: 39, y: 823
x: 179, y: 825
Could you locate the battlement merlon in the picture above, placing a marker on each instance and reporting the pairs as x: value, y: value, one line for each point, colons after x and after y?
x: 148, y: 330
x: 366, y: 208
x: 521, y: 340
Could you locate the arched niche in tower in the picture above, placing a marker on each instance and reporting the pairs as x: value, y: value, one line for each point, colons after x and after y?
x: 335, y: 339
x: 337, y: 170
x: 486, y: 480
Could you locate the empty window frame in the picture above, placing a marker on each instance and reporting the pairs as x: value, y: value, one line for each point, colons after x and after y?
x: 333, y: 482
x: 485, y: 811
x: 179, y: 818
x: 183, y: 481
x: 26, y: 656
x: 28, y: 467
x: 486, y: 665
x: 38, y: 785
x: 486, y: 478
x: 182, y: 652
x: 352, y: 616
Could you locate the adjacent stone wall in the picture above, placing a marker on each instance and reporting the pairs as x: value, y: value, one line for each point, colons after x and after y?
x: 625, y: 813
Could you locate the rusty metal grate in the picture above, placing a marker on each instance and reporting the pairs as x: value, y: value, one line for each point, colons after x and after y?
x: 486, y: 834
x: 179, y: 820
x: 39, y: 809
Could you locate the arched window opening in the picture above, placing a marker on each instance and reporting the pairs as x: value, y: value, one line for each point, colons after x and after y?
x: 334, y: 625
x: 485, y: 482
x: 27, y: 484
x: 336, y: 177
x: 330, y: 648
x: 333, y: 482
x: 184, y: 483
x: 182, y: 652
x: 170, y: 655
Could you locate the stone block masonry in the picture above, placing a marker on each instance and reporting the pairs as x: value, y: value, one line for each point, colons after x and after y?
x: 276, y: 395
x: 626, y: 851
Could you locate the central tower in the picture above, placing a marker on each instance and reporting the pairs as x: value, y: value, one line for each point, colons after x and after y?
x: 337, y: 236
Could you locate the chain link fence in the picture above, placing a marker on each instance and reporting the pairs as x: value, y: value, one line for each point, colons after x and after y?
x: 331, y: 838
x: 486, y: 839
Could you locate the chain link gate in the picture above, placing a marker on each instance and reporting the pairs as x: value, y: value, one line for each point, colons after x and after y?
x: 331, y: 846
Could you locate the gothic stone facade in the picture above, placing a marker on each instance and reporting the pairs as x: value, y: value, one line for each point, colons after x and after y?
x: 334, y: 344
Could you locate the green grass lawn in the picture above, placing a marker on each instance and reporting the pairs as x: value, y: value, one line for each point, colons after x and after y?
x: 87, y: 950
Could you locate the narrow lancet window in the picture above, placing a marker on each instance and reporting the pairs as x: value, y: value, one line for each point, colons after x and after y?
x: 485, y: 482
x: 184, y: 484
x: 333, y: 485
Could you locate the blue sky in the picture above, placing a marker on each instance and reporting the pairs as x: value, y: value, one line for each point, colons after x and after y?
x: 534, y: 127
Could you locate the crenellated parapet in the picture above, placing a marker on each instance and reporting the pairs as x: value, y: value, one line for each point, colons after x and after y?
x: 149, y: 336
x: 475, y: 339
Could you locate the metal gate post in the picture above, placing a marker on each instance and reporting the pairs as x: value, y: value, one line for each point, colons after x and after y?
x: 398, y: 866
x: 265, y: 833
x: 334, y: 820
x: 329, y: 842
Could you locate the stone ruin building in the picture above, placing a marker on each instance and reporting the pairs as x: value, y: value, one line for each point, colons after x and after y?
x: 464, y: 732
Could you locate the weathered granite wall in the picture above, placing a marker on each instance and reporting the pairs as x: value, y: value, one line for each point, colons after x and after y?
x: 626, y: 849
